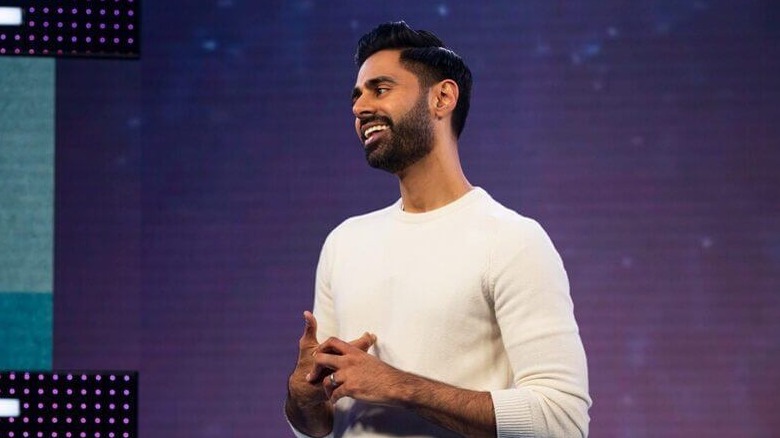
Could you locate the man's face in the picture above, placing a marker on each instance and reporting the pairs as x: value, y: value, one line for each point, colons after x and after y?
x: 392, y: 117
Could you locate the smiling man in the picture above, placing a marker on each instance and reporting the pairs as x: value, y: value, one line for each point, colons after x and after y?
x: 444, y: 314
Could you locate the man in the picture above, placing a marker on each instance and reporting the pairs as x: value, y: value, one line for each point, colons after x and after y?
x: 458, y: 308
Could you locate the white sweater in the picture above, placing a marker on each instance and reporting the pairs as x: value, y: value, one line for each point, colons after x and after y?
x: 471, y: 294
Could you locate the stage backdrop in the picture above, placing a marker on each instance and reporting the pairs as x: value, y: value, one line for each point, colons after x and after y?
x: 194, y: 188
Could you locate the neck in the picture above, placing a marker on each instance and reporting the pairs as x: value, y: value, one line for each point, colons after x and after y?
x: 434, y: 181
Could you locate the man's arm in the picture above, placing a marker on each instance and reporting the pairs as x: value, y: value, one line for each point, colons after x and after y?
x: 364, y: 377
x: 307, y: 406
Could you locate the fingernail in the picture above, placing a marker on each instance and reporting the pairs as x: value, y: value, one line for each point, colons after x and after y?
x: 308, y: 377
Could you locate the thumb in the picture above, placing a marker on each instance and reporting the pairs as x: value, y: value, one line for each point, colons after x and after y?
x: 364, y: 342
x: 309, y: 329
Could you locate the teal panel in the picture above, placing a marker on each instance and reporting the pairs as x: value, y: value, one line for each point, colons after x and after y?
x: 26, y: 174
x: 26, y: 334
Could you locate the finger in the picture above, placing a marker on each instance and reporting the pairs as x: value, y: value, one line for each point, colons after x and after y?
x: 364, y: 342
x: 329, y: 384
x: 310, y: 327
x: 328, y: 361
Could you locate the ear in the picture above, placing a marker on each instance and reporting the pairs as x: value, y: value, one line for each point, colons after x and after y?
x: 445, y: 97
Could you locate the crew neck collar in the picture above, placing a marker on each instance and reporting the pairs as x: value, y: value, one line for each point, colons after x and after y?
x: 467, y: 198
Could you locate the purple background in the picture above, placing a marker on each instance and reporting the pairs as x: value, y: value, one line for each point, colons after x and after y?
x: 195, y: 187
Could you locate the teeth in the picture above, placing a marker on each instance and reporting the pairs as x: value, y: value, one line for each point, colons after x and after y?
x: 374, y: 129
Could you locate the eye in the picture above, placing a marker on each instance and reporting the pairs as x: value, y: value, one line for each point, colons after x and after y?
x: 382, y: 90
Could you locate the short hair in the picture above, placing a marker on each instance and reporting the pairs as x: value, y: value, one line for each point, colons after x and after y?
x: 425, y: 55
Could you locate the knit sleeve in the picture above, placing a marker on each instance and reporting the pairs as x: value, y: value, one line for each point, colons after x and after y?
x: 535, y: 314
x: 324, y: 310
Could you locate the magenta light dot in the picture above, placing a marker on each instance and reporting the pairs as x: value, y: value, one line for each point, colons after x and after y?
x: 111, y: 420
x: 26, y: 390
x: 102, y: 25
x: 17, y: 37
x: 116, y: 26
x: 2, y: 36
x: 59, y: 38
x: 83, y: 435
x: 125, y: 420
x: 83, y: 420
x: 54, y: 420
x: 31, y: 51
x: 46, y: 24
x: 40, y: 420
x: 74, y: 11
x: 32, y: 38
x: 116, y: 41
x: 55, y: 391
x: 88, y: 39
x: 112, y: 392
x: 70, y: 391
x: 125, y: 406
x: 32, y: 10
x: 59, y: 24
x: 74, y: 39
x: 97, y: 406
x: 59, y: 10
x: 129, y: 27
x: 69, y: 406
x: 98, y: 392
x: 102, y: 12
x: 130, y: 41
x: 111, y: 406
x: 97, y: 420
x: 40, y: 391
x: 31, y: 24
x: 26, y: 420
x: 74, y: 25
x: 98, y: 377
x: 46, y: 10
x: 102, y: 40
x: 112, y: 377
x: 55, y: 377
x: 89, y: 11
x: 116, y: 12
x: 55, y: 406
x: 125, y: 435
x: 69, y: 420
x: 11, y: 391
x: 83, y: 377
x: 83, y: 391
x: 70, y: 376
x: 40, y: 405
x: 68, y: 435
x: 27, y: 406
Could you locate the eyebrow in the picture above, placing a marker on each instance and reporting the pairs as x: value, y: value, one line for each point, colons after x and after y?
x: 372, y: 84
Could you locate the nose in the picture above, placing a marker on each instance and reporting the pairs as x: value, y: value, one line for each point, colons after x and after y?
x: 362, y: 107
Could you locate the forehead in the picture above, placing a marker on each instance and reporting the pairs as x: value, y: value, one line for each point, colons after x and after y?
x: 385, y: 63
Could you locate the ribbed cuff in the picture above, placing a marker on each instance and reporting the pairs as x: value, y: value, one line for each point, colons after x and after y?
x: 513, y: 413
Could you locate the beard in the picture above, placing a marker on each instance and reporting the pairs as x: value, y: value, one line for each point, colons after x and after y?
x: 409, y: 140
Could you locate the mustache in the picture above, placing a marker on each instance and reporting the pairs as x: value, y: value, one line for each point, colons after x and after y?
x: 380, y: 119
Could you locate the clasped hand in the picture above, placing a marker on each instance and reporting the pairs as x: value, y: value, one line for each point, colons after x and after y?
x: 336, y: 369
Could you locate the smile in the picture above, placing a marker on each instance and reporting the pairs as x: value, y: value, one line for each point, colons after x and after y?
x: 373, y: 129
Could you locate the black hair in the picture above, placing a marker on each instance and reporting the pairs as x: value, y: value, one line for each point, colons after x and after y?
x: 425, y: 55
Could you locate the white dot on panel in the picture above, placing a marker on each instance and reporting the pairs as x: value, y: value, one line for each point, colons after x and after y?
x: 59, y: 10
x: 46, y: 10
